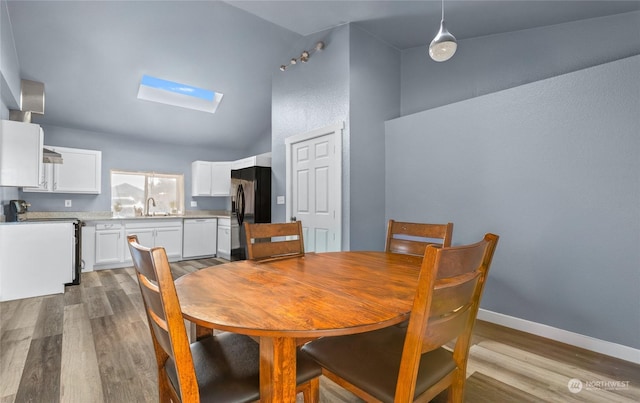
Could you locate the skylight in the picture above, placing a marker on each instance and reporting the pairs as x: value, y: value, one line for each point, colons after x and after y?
x: 176, y: 94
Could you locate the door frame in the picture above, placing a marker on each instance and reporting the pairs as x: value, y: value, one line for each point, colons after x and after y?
x: 336, y: 130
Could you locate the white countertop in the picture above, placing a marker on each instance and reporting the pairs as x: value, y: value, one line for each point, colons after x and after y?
x: 88, y: 216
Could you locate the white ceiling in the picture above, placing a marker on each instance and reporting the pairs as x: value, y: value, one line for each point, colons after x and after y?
x: 407, y: 24
x: 91, y: 55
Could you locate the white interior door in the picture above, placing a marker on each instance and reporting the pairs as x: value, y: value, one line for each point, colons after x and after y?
x: 314, y: 187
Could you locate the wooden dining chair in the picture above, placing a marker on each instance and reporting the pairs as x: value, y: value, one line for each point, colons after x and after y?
x: 412, y: 238
x: 397, y: 364
x: 274, y: 240
x: 221, y: 368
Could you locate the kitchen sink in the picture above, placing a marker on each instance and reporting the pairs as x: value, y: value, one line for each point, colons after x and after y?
x: 158, y: 214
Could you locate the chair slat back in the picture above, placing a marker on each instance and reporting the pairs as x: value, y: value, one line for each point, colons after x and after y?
x: 273, y: 240
x: 445, y: 306
x: 163, y: 311
x: 413, y: 238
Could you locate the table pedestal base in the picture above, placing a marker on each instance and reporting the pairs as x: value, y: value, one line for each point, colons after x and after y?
x: 277, y: 369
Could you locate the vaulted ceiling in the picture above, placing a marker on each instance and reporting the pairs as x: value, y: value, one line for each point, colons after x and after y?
x: 91, y: 55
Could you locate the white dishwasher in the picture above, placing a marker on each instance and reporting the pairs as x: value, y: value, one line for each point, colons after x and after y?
x: 199, y: 237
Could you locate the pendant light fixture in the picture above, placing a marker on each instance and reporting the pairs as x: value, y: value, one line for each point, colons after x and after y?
x: 444, y: 45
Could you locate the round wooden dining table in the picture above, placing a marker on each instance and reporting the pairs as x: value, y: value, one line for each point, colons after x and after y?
x: 288, y: 301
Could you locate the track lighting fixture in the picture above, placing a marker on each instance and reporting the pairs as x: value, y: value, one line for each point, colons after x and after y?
x: 304, y: 56
x: 444, y: 45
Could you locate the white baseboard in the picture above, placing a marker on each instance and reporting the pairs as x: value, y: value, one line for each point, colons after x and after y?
x: 589, y: 343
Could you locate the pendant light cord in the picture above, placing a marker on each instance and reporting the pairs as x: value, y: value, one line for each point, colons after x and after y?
x: 442, y: 19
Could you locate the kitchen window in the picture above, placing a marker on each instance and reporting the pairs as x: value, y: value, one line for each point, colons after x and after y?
x: 132, y: 193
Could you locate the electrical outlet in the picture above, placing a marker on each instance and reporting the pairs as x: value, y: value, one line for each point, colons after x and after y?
x: 280, y: 200
x: 67, y: 203
x: 194, y: 203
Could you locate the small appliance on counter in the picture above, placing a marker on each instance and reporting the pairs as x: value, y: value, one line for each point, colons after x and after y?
x: 16, y: 210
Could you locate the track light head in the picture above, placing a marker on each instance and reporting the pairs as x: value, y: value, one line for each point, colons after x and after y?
x: 304, y: 56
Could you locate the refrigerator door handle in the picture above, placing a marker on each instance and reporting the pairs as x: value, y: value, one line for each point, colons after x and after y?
x: 240, y: 205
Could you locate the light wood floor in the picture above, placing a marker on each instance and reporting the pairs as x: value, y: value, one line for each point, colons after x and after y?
x: 92, y: 344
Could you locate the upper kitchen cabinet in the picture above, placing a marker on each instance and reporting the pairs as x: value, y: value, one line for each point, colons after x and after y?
x: 20, y: 153
x: 260, y: 160
x: 210, y: 178
x: 79, y: 172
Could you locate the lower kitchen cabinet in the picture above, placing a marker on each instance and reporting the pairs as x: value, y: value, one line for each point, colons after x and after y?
x: 104, y: 243
x: 110, y: 249
x: 224, y: 238
x: 108, y: 244
x: 35, y: 259
x: 164, y: 233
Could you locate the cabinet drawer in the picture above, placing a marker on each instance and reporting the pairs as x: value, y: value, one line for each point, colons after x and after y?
x: 108, y: 226
x: 146, y: 223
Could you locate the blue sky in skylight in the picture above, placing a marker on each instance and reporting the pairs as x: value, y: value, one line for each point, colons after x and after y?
x: 178, y: 88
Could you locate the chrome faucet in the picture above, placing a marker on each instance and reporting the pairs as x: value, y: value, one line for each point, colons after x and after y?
x: 153, y: 201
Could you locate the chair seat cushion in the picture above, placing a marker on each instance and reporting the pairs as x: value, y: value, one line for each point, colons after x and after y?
x: 371, y: 361
x: 228, y: 368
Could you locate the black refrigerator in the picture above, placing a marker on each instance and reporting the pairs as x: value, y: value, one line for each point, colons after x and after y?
x: 250, y: 202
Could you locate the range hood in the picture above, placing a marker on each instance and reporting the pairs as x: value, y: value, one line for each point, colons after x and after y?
x: 51, y: 157
x: 32, y: 101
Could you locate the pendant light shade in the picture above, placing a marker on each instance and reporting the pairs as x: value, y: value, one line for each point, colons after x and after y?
x: 444, y: 45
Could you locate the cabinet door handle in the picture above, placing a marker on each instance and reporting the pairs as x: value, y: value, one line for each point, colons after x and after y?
x: 55, y: 185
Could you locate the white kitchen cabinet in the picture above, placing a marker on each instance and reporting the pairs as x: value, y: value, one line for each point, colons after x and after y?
x: 260, y: 160
x: 108, y: 244
x: 80, y: 172
x: 201, y: 178
x: 199, y: 237
x: 165, y: 233
x: 88, y: 241
x: 235, y: 234
x: 210, y: 178
x: 45, y: 183
x: 35, y: 259
x: 20, y: 153
x: 224, y: 238
x: 171, y: 240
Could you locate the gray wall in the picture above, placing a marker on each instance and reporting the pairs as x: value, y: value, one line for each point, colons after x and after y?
x: 553, y: 168
x: 123, y: 153
x: 493, y: 63
x: 307, y: 97
x: 6, y: 193
x: 9, y: 66
x: 9, y: 85
x: 374, y: 96
x: 262, y: 145
x: 356, y: 79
